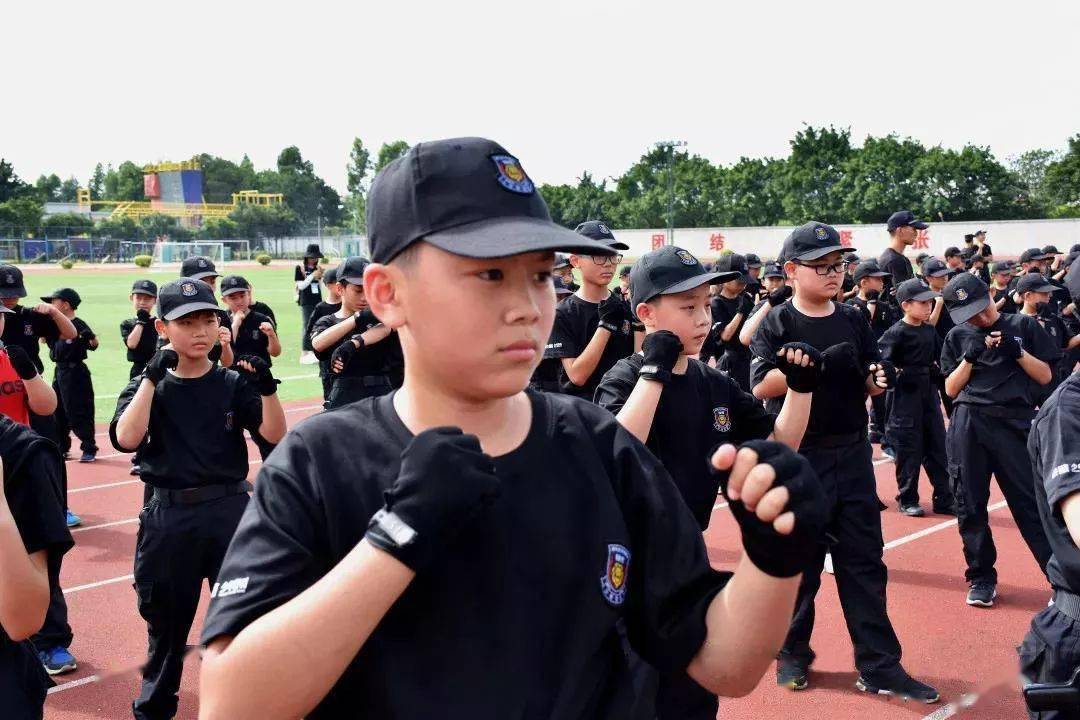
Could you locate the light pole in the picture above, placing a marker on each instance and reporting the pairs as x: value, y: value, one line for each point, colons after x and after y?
x: 671, y: 145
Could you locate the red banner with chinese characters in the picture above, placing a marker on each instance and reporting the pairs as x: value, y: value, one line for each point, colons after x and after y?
x: 151, y: 188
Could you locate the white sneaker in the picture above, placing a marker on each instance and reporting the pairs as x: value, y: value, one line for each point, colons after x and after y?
x: 828, y: 564
x: 308, y: 358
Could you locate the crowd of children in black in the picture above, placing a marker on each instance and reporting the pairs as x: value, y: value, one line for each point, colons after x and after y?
x: 445, y: 540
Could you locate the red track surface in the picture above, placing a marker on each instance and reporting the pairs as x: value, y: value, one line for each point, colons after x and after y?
x: 961, y: 650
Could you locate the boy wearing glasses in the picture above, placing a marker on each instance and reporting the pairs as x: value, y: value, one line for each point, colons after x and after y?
x: 593, y: 327
x: 835, y: 444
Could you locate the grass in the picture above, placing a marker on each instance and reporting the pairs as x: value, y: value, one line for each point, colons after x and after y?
x: 105, y: 303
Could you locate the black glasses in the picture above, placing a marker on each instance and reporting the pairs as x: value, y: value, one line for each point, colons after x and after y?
x: 607, y: 259
x: 839, y: 268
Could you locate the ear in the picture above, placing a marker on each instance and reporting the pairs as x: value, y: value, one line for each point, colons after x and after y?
x: 160, y: 326
x: 575, y: 261
x: 646, y: 313
x: 385, y: 291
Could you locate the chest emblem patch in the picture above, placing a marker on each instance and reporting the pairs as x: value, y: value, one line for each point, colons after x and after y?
x: 230, y: 421
x: 28, y: 330
x: 721, y: 419
x: 613, y: 581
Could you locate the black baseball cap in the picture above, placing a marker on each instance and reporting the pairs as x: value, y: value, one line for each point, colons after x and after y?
x: 233, y: 284
x: 773, y: 270
x: 351, y: 271
x: 468, y: 196
x: 914, y: 289
x: 969, y: 237
x: 183, y: 297
x: 11, y: 282
x: 965, y: 297
x: 560, y: 287
x: 198, y: 267
x: 598, y: 230
x: 1075, y: 248
x: 1051, y: 250
x: 1034, y: 282
x: 952, y: 251
x: 980, y: 232
x: 66, y: 294
x: 1072, y: 284
x: 144, y: 287
x: 1033, y: 254
x: 561, y: 261
x: 330, y: 276
x: 905, y: 218
x: 735, y: 265
x: 1070, y: 258
x: 852, y: 258
x: 812, y: 241
x: 1001, y: 268
x: 868, y: 268
x: 752, y: 261
x: 932, y: 267
x: 624, y: 271
x: 667, y: 271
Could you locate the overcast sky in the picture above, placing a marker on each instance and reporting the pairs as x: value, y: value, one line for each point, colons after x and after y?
x: 565, y: 86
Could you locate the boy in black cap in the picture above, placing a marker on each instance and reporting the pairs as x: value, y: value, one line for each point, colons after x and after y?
x: 935, y: 274
x: 954, y: 259
x: 1000, y: 282
x: 981, y: 247
x: 880, y: 314
x: 753, y: 276
x: 71, y: 378
x: 546, y: 375
x: 836, y: 446
x: 33, y: 539
x: 551, y: 517
x: 1050, y: 652
x: 993, y: 364
x: 140, y: 337
x: 307, y: 276
x: 186, y: 416
x: 564, y: 270
x: 361, y: 351
x: 730, y: 308
x: 916, y: 429
x: 202, y: 268
x: 903, y: 231
x: 1036, y: 291
x: 776, y: 291
x: 329, y: 306
x: 594, y: 327
x: 682, y: 409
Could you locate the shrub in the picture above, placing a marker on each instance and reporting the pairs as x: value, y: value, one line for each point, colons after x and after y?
x: 263, y: 259
x: 143, y: 261
x: 67, y: 264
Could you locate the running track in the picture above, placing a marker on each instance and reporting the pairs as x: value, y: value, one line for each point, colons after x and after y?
x: 968, y: 654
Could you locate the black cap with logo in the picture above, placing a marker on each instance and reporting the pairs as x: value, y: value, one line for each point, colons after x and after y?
x: 198, y: 267
x: 905, y: 218
x: 914, y: 289
x: 598, y: 230
x: 351, y: 272
x: 330, y: 276
x: 733, y: 263
x: 144, y: 287
x: 869, y: 268
x: 667, y: 271
x: 184, y: 296
x: 932, y: 267
x: 562, y: 260
x: 68, y: 295
x: 467, y: 196
x: 965, y: 297
x: 1002, y: 268
x: 753, y: 261
x: 773, y: 270
x: 1034, y: 282
x: 1033, y: 254
x: 952, y: 251
x: 11, y: 282
x: 233, y: 284
x: 1051, y: 250
x: 812, y: 241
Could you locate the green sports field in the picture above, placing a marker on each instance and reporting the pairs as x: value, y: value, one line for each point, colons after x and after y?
x: 105, y: 303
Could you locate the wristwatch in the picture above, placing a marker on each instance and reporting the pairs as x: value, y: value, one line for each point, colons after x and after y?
x: 654, y: 372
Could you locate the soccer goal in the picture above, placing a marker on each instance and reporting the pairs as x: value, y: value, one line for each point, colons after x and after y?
x: 176, y: 252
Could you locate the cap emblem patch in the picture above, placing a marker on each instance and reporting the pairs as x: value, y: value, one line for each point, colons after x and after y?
x: 961, y: 294
x: 603, y: 228
x: 9, y: 279
x: 820, y: 233
x: 188, y: 289
x: 686, y: 258
x: 613, y: 581
x: 202, y: 263
x: 511, y: 175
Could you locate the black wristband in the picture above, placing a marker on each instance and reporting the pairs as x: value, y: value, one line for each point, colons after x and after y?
x: 654, y: 372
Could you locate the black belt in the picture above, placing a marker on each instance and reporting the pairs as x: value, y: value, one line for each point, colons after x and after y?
x: 1002, y: 411
x: 832, y: 441
x: 366, y: 380
x: 194, y: 496
x: 1067, y: 603
x: 914, y: 370
x: 72, y: 364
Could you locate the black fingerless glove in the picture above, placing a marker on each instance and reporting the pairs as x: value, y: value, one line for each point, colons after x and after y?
x: 661, y: 350
x: 162, y: 361
x: 973, y: 350
x: 775, y: 554
x: 22, y: 363
x: 143, y: 317
x: 345, y: 352
x: 799, y: 378
x: 779, y: 296
x: 890, y: 374
x: 1008, y: 346
x: 365, y: 319
x: 746, y: 305
x: 612, y: 312
x: 444, y: 482
x: 259, y: 375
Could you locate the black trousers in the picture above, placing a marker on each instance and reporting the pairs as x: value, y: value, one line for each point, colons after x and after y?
x: 177, y: 547
x: 327, y: 379
x: 348, y: 389
x: 305, y: 315
x: 75, y: 409
x: 847, y: 476
x: 980, y: 445
x: 737, y: 367
x: 23, y: 682
x: 917, y: 436
x: 136, y: 370
x: 946, y: 401
x: 1051, y: 653
x: 880, y: 406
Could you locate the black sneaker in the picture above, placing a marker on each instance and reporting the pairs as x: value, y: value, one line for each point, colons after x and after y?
x: 791, y: 674
x: 911, y: 510
x: 875, y: 437
x: 944, y: 510
x: 982, y: 594
x: 904, y: 687
x: 135, y: 470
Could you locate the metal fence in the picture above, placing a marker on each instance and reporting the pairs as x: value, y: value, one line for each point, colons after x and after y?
x: 124, y: 250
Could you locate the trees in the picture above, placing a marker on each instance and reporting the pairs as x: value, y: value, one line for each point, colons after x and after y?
x: 10, y: 184
x: 1061, y: 183
x: 20, y: 216
x: 389, y: 152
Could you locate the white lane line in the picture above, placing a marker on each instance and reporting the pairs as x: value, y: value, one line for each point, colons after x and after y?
x: 934, y: 528
x: 717, y: 506
x: 948, y: 711
x: 101, y: 487
x: 74, y: 684
x: 104, y: 525
x: 99, y: 583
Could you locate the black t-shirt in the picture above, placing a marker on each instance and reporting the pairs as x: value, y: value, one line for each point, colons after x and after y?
x: 147, y: 344
x: 24, y: 327
x: 312, y: 294
x: 576, y: 321
x: 839, y: 403
x: 250, y: 340
x: 697, y: 412
x: 261, y: 307
x: 885, y: 316
x: 74, y: 350
x: 195, y: 436
x: 910, y: 346
x: 997, y: 379
x: 945, y: 323
x: 32, y: 468
x: 1009, y: 306
x: 898, y: 266
x: 321, y: 310
x: 1054, y: 447
x: 517, y: 618
x: 724, y: 311
x: 377, y: 359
